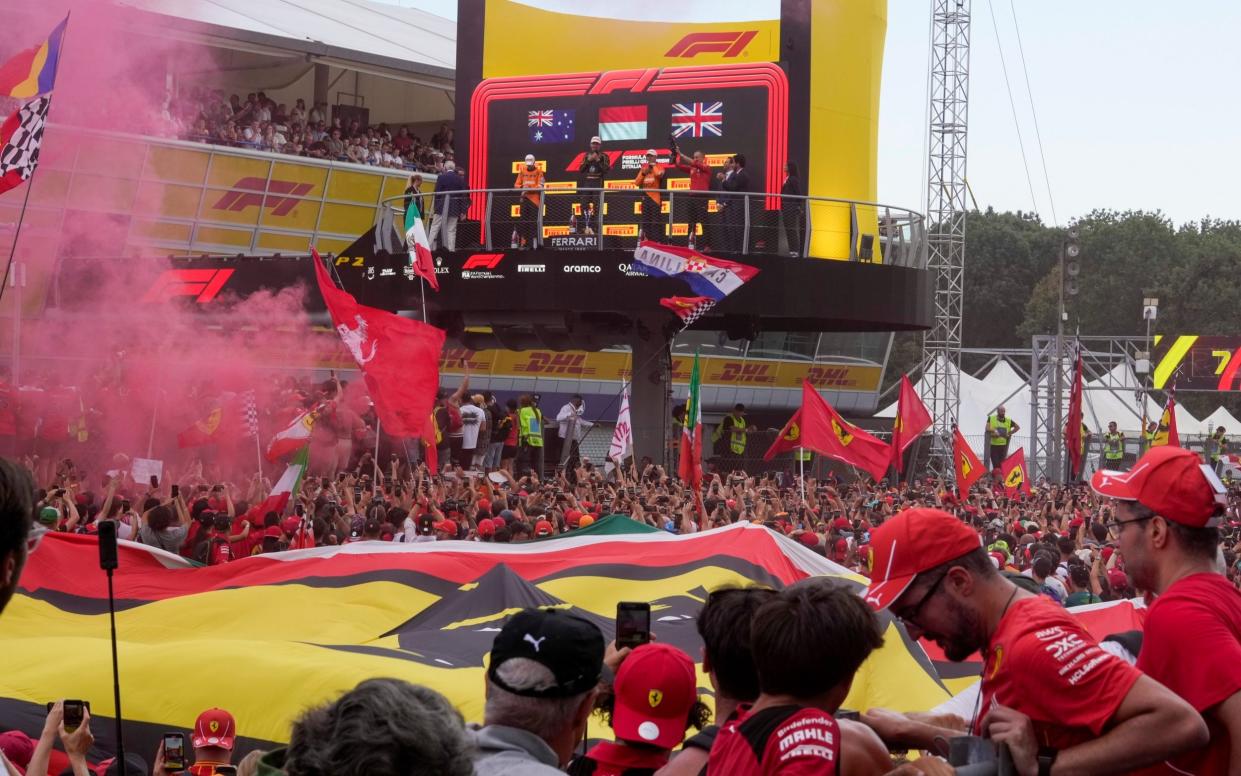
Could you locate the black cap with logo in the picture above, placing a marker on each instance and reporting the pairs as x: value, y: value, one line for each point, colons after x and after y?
x: 567, y: 645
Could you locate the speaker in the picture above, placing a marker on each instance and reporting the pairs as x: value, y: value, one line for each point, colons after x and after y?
x: 866, y: 248
x: 107, y: 545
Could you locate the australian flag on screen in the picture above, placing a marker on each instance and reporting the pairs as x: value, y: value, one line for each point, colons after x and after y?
x: 550, y: 126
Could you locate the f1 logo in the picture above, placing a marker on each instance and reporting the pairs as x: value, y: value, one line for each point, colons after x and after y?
x: 248, y: 192
x: 204, y: 284
x: 483, y: 261
x: 730, y: 44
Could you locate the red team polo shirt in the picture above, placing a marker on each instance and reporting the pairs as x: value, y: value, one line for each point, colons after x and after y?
x: 1192, y: 645
x: 1043, y: 663
x: 782, y: 740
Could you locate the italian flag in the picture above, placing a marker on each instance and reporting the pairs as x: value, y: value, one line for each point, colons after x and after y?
x: 294, y: 437
x: 419, y: 245
x: 690, y: 467
x: 286, y: 487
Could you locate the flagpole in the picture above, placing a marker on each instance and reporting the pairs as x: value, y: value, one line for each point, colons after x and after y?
x: 155, y: 411
x: 258, y: 451
x: 422, y: 286
x: 375, y: 480
x: 21, y: 217
x: 801, y: 464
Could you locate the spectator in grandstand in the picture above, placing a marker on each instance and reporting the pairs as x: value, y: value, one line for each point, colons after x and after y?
x: 448, y: 208
x: 724, y: 625
x: 336, y: 144
x: 792, y: 210
x: 807, y: 641
x: 382, y: 727
x: 649, y: 706
x: 1168, y: 512
x: 1097, y: 714
x: 541, y: 686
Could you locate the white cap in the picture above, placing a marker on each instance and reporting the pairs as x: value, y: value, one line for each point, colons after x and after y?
x: 529, y: 157
x: 651, y: 152
x: 595, y: 139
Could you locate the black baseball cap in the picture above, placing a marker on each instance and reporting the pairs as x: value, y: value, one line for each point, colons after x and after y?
x: 569, y: 646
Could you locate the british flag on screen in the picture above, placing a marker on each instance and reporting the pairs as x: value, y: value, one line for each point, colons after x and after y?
x: 539, y: 118
x: 698, y: 119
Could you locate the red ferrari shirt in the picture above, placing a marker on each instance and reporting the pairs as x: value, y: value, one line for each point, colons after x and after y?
x: 1192, y: 645
x: 608, y: 758
x: 699, y: 175
x: 1045, y: 664
x: 779, y: 740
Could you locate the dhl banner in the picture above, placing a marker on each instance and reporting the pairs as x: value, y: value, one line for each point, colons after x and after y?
x: 615, y: 366
x: 1197, y: 362
x: 270, y: 636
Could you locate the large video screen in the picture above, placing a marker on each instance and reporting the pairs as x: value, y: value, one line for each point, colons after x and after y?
x: 721, y: 110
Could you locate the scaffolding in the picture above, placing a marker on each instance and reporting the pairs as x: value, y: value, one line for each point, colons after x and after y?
x: 946, y: 206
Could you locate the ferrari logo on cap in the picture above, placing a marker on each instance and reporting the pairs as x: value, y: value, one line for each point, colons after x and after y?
x: 655, y: 697
x: 214, y: 725
x: 844, y: 436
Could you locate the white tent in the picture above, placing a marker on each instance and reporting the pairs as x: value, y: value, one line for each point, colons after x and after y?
x: 1222, y: 417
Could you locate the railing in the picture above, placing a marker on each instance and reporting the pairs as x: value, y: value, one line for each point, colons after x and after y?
x: 714, y: 221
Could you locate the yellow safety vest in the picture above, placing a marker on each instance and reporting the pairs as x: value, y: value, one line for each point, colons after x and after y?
x: 1221, y: 444
x: 1115, y: 446
x: 736, y: 437
x: 531, y: 421
x: 1001, y: 430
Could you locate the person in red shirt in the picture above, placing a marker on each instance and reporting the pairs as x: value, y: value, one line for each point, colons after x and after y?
x: 808, y: 641
x: 1166, y: 522
x: 699, y: 196
x: 653, y: 700
x: 1060, y: 703
x: 215, y: 732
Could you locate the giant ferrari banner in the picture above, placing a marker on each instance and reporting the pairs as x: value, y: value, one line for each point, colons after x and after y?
x: 270, y: 636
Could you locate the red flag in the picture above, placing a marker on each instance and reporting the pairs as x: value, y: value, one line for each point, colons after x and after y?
x: 1014, y: 475
x: 912, y: 419
x: 789, y: 438
x: 1167, y: 433
x: 1073, y: 425
x: 824, y: 431
x: 399, y: 357
x: 430, y: 454
x: 966, y: 465
x: 688, y: 308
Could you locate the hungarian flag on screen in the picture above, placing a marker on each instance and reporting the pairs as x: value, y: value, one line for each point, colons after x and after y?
x: 964, y: 463
x: 912, y: 419
x: 624, y: 122
x: 1014, y: 475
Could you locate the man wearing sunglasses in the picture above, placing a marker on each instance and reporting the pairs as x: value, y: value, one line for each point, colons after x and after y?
x: 1166, y: 526
x: 1060, y: 703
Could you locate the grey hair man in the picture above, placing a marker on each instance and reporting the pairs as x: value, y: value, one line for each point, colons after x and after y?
x: 541, y: 686
x: 382, y: 727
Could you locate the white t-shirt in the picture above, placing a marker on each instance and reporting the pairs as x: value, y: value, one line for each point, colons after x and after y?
x: 472, y: 419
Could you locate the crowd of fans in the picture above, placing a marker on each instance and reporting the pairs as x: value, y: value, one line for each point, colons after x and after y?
x: 205, y: 115
x: 966, y: 571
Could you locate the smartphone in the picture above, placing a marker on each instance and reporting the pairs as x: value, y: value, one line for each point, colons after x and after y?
x: 174, y: 751
x: 325, y: 483
x: 73, y: 714
x: 633, y: 624
x: 176, y: 490
x: 154, y: 481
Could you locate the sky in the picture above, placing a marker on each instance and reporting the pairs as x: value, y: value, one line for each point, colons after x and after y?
x: 1135, y: 102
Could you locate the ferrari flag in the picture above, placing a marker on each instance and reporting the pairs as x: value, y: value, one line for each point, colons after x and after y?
x: 1167, y: 434
x: 912, y: 419
x: 1073, y: 438
x: 1014, y: 475
x: 964, y: 463
x: 824, y: 431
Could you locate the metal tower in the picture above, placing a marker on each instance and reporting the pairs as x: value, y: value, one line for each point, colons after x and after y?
x: 946, y: 204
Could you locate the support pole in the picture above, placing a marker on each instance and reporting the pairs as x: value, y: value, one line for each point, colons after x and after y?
x: 651, y: 384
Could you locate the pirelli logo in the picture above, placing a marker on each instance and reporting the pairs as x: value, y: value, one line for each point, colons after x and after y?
x: 728, y: 44
x: 202, y: 284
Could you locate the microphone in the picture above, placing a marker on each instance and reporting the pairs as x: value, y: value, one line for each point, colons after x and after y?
x: 107, y: 545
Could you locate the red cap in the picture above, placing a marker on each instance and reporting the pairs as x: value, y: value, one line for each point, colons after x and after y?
x: 484, y: 503
x: 809, y: 538
x: 913, y: 541
x: 842, y: 523
x: 215, y: 727
x: 1106, y: 552
x: 448, y: 526
x: 498, y: 521
x: 18, y: 747
x: 543, y: 528
x: 731, y: 503
x: 655, y: 689
x: 842, y: 548
x: 1170, y: 480
x: 572, y: 517
x: 1117, y: 579
x: 291, y: 524
x: 274, y: 532
x: 486, y: 527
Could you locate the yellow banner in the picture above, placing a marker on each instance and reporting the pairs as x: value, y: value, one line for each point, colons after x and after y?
x: 614, y: 366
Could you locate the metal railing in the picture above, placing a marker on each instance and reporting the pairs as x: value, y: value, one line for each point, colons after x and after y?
x: 715, y: 221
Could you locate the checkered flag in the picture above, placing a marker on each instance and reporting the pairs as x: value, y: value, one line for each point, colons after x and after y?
x: 250, y: 414
x: 20, y: 138
x: 688, y: 308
